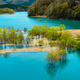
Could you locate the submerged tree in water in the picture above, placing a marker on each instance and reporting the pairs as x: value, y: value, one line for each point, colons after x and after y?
x: 52, y: 58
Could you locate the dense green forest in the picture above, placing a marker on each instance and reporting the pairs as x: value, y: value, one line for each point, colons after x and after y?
x: 60, y: 9
x: 6, y: 10
x: 15, y: 7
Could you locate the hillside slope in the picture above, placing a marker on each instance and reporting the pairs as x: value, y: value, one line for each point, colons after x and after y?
x: 65, y: 9
x: 18, y: 2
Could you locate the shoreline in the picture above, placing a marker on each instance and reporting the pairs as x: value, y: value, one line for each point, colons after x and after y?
x: 12, y: 13
x: 35, y: 49
x: 44, y: 16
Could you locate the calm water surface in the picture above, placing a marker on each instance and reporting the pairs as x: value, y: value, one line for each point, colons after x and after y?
x: 22, y: 20
x: 12, y: 47
x: 33, y: 66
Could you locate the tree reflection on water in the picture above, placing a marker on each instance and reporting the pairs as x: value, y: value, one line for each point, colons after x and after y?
x: 53, y: 69
x: 6, y: 55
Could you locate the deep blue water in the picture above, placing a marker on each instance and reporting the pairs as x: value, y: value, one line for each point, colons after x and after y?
x: 22, y: 20
x: 33, y: 66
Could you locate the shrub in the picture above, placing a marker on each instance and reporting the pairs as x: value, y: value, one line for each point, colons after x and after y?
x: 40, y: 42
x: 52, y: 58
x: 35, y: 45
x: 52, y: 33
x: 78, y: 45
x: 66, y: 40
x: 78, y: 37
x: 51, y: 43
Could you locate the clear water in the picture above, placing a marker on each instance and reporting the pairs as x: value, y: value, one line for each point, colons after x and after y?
x: 33, y: 66
x: 20, y: 21
x: 12, y: 47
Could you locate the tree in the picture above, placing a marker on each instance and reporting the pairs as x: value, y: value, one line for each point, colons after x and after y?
x: 56, y: 11
x: 25, y: 29
x: 78, y: 45
x: 76, y: 12
x: 62, y: 27
x: 52, y: 33
x: 38, y: 30
x: 62, y: 53
x: 44, y: 29
x: 51, y: 43
x: 13, y: 36
x: 66, y: 40
x: 1, y: 34
x: 35, y: 30
x: 52, y: 58
x: 40, y: 42
x: 64, y: 7
x: 5, y: 34
x: 20, y: 37
x: 78, y: 37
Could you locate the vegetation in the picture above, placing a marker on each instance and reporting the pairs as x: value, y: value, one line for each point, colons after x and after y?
x: 17, y: 2
x: 54, y: 57
x: 15, y: 7
x: 40, y: 42
x: 58, y: 37
x: 51, y: 43
x: 66, y: 40
x: 66, y: 9
x: 6, y: 10
x: 10, y: 35
x: 38, y: 30
x: 78, y: 44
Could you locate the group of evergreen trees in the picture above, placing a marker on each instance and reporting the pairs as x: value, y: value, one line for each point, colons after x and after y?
x: 69, y: 9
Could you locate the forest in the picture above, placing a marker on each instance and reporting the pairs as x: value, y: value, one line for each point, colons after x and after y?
x: 15, y: 7
x: 60, y: 9
x: 6, y: 10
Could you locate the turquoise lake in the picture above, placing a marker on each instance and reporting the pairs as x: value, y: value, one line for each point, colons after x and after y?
x: 20, y: 21
x: 33, y: 66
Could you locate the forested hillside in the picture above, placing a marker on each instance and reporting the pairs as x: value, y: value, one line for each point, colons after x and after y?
x: 15, y: 7
x: 65, y: 9
x: 18, y: 2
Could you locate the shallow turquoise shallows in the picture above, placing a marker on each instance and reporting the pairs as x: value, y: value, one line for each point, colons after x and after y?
x: 22, y: 20
x: 33, y: 66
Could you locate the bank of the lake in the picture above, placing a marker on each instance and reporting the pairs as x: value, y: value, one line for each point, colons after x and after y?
x: 11, y: 14
x: 32, y: 49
